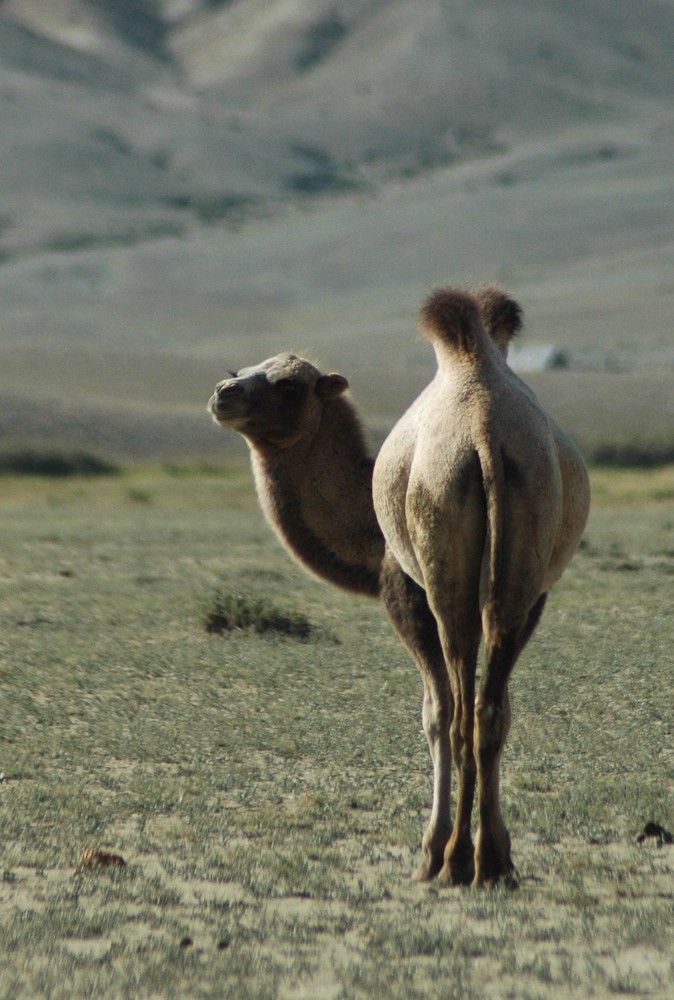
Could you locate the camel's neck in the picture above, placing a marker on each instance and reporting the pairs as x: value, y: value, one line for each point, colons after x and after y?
x: 317, y: 495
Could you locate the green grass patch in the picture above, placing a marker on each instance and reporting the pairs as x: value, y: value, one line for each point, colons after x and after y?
x: 630, y: 487
x: 268, y: 795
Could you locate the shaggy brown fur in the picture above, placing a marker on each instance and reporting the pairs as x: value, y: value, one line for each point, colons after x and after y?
x: 452, y: 317
x: 500, y: 315
x: 312, y: 470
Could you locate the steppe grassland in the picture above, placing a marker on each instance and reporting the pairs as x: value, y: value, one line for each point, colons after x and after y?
x: 268, y: 795
x: 151, y: 406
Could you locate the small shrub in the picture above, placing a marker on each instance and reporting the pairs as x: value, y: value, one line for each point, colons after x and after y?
x: 320, y: 174
x: 139, y: 496
x: 215, y: 207
x: 55, y: 464
x: 632, y: 455
x: 321, y: 38
x: 234, y: 612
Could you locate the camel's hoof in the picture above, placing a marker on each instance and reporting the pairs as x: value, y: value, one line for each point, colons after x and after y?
x: 426, y: 871
x: 459, y: 864
x: 456, y: 874
x: 422, y: 874
x: 506, y: 880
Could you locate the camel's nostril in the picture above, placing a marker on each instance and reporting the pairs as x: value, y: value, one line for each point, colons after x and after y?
x: 227, y: 388
x: 227, y: 394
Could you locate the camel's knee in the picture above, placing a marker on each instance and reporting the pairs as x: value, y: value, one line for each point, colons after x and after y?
x: 436, y: 715
x: 461, y: 738
x: 457, y: 743
x: 491, y: 729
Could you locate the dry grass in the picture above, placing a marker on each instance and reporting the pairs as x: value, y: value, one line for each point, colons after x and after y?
x: 268, y: 795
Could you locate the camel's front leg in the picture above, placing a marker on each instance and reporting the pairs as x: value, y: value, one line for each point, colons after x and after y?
x: 412, y: 619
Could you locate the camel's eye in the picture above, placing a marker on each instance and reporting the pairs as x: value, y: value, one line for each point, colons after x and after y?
x: 290, y: 387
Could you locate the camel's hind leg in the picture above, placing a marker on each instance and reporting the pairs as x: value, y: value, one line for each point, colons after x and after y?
x: 412, y: 619
x: 460, y: 644
x: 492, y: 722
x: 459, y: 867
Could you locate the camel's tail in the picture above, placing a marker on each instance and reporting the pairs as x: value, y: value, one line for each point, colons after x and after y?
x: 493, y: 480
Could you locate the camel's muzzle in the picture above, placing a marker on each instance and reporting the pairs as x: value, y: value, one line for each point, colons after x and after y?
x: 226, y: 400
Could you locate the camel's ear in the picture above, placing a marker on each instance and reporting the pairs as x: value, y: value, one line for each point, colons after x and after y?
x: 329, y: 386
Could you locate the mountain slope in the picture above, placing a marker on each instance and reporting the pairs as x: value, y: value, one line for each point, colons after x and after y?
x: 221, y: 105
x: 402, y: 85
x: 222, y: 180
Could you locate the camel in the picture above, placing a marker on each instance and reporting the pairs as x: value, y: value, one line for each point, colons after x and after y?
x: 314, y: 479
x: 312, y: 469
x: 482, y: 501
x: 300, y: 428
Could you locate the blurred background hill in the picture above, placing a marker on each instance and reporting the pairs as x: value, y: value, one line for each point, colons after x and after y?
x: 188, y: 186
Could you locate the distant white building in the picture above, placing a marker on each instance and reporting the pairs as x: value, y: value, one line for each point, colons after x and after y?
x: 537, y: 357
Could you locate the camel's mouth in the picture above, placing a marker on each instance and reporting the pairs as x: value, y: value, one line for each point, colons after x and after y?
x: 226, y: 402
x: 223, y: 410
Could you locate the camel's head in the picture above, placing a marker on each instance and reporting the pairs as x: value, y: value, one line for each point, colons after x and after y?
x: 276, y: 402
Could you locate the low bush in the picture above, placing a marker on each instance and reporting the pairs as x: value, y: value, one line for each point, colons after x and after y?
x: 631, y: 455
x: 57, y: 464
x: 234, y: 612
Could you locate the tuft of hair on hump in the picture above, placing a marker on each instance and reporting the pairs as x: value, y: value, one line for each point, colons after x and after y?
x: 500, y: 314
x: 451, y: 316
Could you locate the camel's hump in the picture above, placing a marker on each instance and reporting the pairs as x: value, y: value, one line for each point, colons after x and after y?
x: 500, y: 314
x: 452, y: 317
x: 460, y: 319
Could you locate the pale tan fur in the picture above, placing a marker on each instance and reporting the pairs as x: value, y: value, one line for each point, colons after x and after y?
x: 482, y: 501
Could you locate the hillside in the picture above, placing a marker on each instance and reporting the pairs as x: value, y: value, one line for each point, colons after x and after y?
x: 207, y: 182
